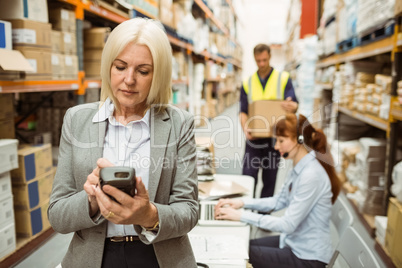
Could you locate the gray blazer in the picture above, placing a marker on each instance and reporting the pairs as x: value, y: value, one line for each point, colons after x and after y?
x: 172, y: 186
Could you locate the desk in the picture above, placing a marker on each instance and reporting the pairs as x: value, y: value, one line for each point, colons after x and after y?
x: 238, y: 233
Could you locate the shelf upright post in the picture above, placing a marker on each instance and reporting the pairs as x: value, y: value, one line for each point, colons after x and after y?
x: 392, y: 137
x: 79, y: 18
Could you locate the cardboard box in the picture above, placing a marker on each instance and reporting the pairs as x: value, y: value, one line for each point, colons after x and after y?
x: 96, y: 37
x: 8, y: 155
x: 6, y: 40
x: 28, y: 32
x: 40, y: 60
x: 6, y: 210
x: 33, y: 161
x: 393, y: 236
x: 21, y: 9
x: 5, y: 185
x: 62, y: 19
x: 31, y: 222
x: 56, y: 41
x: 30, y: 195
x: 68, y: 43
x: 12, y: 63
x: 398, y: 7
x: 262, y: 117
x: 8, y: 242
x: 92, y: 68
x: 70, y: 67
x: 57, y: 60
x: 93, y: 54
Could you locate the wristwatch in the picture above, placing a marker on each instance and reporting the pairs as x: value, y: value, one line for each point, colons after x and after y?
x: 153, y: 228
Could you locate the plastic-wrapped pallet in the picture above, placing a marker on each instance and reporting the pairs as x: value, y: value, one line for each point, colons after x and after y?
x: 347, y: 19
x: 372, y: 13
x: 305, y: 75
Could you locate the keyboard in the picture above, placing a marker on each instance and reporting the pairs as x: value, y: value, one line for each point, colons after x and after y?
x: 207, y: 216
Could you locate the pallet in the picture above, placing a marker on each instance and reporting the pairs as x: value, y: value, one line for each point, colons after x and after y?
x: 347, y: 44
x: 377, y: 33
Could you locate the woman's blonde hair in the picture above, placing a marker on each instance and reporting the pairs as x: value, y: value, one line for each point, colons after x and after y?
x: 146, y: 32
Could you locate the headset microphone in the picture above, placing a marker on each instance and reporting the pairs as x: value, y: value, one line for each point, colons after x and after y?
x: 287, y: 153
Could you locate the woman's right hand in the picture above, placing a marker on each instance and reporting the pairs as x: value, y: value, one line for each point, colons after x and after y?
x: 93, y: 182
x: 227, y: 202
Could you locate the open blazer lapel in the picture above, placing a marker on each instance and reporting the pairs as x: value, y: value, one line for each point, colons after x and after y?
x: 160, y: 127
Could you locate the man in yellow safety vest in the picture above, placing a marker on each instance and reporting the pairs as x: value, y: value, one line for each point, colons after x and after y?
x: 265, y: 84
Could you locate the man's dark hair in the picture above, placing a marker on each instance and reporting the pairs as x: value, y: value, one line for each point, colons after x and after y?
x: 261, y: 48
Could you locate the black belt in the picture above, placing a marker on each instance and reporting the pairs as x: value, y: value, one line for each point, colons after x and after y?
x: 128, y: 238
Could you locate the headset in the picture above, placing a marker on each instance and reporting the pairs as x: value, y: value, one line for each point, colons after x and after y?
x: 300, y: 138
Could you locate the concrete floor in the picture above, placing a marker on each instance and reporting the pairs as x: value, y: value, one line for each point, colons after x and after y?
x: 229, y: 150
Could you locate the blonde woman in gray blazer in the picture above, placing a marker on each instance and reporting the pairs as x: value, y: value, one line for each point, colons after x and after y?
x: 132, y: 125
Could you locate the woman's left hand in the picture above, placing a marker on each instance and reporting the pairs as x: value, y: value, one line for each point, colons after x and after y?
x: 127, y: 210
x: 227, y: 213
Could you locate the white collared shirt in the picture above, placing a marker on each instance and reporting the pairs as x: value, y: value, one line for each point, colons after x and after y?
x: 127, y: 145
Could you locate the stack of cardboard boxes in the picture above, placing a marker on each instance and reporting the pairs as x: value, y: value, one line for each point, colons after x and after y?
x: 51, y: 55
x: 64, y: 44
x: 393, y: 235
x: 8, y: 156
x: 31, y: 34
x: 94, y: 41
x: 31, y: 186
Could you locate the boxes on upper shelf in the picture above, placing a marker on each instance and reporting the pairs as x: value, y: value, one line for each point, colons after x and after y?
x: 30, y: 195
x: 21, y: 9
x: 33, y: 161
x: 12, y: 63
x: 41, y: 61
x: 96, y: 37
x: 70, y: 67
x: 33, y: 33
x: 94, y: 41
x: 56, y: 41
x: 8, y: 155
x: 62, y: 19
x: 68, y: 43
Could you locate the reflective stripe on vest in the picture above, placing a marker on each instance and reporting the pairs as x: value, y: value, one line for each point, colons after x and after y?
x: 274, y: 89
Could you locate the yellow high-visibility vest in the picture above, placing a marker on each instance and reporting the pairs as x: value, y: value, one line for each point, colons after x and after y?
x: 274, y: 89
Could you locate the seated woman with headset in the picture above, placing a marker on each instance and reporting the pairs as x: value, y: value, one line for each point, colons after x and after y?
x: 308, y: 194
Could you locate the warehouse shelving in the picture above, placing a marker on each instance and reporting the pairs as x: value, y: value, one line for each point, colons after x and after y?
x: 393, y: 46
x: 361, y: 52
x: 109, y: 13
x: 367, y: 118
